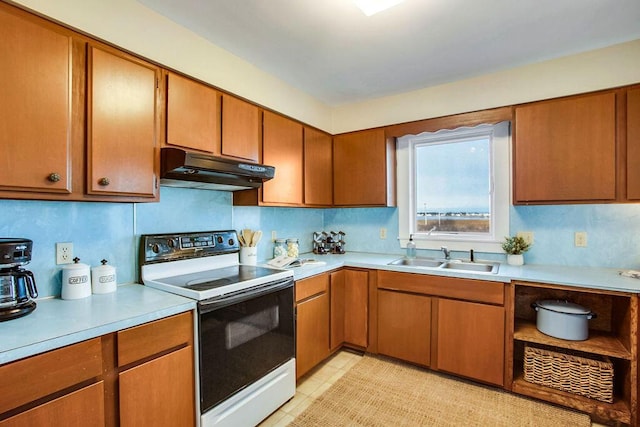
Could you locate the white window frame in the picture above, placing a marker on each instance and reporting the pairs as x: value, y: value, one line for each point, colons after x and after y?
x: 500, y: 142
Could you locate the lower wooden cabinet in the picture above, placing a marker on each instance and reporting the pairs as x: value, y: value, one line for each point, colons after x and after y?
x: 312, y: 322
x: 159, y: 392
x: 471, y: 340
x: 350, y: 308
x: 84, y: 407
x: 404, y: 326
x: 139, y: 376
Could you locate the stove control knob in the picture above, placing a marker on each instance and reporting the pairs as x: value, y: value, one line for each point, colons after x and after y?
x: 231, y: 242
x: 220, y: 239
x: 171, y: 243
x: 155, y: 248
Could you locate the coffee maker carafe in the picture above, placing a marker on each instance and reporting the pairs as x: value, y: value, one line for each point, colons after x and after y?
x: 17, y: 285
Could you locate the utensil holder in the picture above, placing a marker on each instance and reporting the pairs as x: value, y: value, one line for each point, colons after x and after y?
x: 249, y: 255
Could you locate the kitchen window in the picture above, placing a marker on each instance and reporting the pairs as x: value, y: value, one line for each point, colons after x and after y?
x: 453, y: 188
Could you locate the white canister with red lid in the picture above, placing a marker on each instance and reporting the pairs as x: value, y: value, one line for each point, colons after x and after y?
x: 103, y: 278
x: 76, y: 280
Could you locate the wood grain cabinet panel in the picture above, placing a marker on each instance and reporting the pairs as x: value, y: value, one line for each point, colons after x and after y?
x: 193, y: 117
x: 282, y: 148
x: 30, y: 379
x: 404, y: 326
x: 160, y: 392
x: 633, y: 144
x: 356, y: 307
x: 318, y: 168
x: 241, y: 129
x: 565, y: 150
x: 152, y: 338
x: 336, y: 286
x: 122, y: 124
x: 470, y: 340
x: 35, y: 105
x: 84, y: 407
x: 363, y: 169
x: 312, y: 333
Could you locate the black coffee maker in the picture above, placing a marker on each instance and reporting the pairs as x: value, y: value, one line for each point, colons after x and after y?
x: 17, y: 285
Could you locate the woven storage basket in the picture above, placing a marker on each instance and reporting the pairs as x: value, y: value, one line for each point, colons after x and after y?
x: 587, y: 377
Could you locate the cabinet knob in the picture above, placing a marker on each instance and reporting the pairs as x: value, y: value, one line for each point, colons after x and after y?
x: 104, y: 181
x: 54, y: 177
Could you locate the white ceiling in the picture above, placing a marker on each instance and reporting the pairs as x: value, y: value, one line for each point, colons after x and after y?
x: 332, y: 51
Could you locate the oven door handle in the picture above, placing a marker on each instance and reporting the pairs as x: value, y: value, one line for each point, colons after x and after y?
x: 216, y: 303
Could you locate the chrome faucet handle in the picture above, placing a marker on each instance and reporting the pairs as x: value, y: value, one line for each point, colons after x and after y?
x: 447, y: 254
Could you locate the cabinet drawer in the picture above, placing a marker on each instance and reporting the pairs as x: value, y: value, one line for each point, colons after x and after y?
x: 155, y: 337
x: 26, y: 380
x: 451, y: 287
x: 315, y: 285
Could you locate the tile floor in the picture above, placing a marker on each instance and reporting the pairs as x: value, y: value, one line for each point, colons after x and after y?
x: 314, y: 383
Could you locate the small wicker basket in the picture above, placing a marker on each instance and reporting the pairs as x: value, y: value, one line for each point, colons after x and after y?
x: 567, y: 372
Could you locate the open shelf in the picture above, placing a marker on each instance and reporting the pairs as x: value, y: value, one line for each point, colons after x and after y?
x: 616, y: 411
x: 601, y: 343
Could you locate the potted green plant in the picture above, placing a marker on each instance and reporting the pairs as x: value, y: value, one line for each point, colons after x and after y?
x: 515, y: 247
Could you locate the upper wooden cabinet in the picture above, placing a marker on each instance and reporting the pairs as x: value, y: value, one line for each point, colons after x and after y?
x: 122, y: 124
x: 565, y: 150
x: 633, y: 144
x: 241, y: 129
x: 318, y: 168
x: 282, y: 148
x: 363, y: 169
x: 36, y: 105
x: 193, y: 116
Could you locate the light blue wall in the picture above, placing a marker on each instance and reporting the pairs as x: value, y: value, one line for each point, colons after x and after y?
x: 112, y: 230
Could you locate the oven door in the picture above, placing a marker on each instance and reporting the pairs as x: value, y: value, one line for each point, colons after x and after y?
x: 244, y: 336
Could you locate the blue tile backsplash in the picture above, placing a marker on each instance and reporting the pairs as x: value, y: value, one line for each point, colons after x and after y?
x: 112, y: 230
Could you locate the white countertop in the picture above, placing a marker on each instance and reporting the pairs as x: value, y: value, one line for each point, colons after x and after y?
x: 56, y: 322
x: 587, y: 277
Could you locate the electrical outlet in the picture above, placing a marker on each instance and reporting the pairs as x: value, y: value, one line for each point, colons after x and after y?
x: 526, y: 235
x: 580, y: 239
x: 383, y: 233
x: 64, y: 253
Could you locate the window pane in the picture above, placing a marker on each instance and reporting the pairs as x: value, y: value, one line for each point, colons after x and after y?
x: 453, y: 186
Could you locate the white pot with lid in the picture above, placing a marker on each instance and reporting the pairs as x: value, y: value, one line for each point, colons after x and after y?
x: 76, y: 280
x: 103, y: 278
x: 563, y: 319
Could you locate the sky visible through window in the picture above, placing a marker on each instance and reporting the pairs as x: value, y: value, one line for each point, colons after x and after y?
x: 453, y: 183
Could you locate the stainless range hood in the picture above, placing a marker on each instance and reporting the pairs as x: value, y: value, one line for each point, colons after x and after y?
x: 181, y: 168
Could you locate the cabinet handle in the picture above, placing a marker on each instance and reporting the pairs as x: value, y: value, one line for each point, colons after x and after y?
x: 54, y: 177
x: 104, y: 181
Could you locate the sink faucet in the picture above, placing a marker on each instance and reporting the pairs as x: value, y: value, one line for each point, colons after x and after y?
x: 447, y: 254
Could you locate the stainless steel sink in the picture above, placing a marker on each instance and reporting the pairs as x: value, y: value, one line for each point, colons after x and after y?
x: 476, y: 267
x: 453, y: 265
x: 418, y: 262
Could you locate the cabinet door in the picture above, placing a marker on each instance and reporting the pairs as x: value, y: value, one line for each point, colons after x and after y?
x: 356, y: 307
x: 240, y: 129
x: 193, y: 119
x: 633, y: 144
x: 35, y: 105
x: 318, y: 168
x: 282, y: 148
x: 312, y: 333
x: 363, y: 169
x: 160, y: 392
x: 84, y: 407
x: 565, y: 150
x: 404, y: 326
x: 122, y: 125
x: 337, y: 308
x: 470, y: 340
